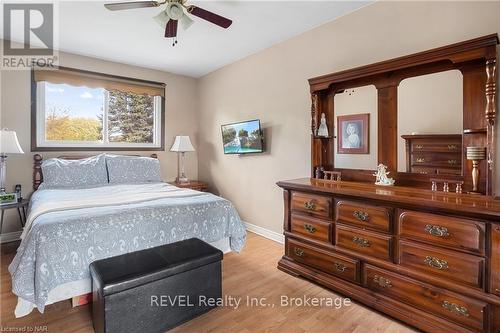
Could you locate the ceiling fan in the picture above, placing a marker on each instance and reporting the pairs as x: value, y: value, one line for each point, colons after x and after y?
x: 175, y: 11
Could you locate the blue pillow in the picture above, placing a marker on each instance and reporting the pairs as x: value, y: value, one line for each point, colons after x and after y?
x: 85, y: 172
x: 132, y: 169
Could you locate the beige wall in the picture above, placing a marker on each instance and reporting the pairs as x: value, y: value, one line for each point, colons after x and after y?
x: 429, y: 104
x: 180, y: 108
x: 356, y: 101
x: 272, y: 85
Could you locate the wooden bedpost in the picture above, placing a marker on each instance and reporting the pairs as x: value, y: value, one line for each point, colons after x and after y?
x: 37, y: 171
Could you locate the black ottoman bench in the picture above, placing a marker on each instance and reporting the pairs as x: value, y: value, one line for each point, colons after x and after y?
x: 156, y: 289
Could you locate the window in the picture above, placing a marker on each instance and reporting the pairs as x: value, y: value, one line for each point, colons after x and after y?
x: 77, y: 110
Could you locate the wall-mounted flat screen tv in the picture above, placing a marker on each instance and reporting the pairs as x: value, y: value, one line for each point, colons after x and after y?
x: 242, y: 138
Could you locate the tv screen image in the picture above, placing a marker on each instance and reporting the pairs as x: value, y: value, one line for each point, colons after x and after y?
x: 242, y: 138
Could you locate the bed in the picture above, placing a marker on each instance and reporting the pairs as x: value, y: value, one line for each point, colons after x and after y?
x: 68, y: 228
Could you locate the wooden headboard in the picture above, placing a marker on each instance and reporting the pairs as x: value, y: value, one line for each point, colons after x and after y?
x: 37, y: 166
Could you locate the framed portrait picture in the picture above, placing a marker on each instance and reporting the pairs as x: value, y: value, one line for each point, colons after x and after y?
x: 353, y: 134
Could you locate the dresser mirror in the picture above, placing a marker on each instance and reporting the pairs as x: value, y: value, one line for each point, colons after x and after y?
x: 351, y: 102
x: 430, y: 123
x: 443, y: 97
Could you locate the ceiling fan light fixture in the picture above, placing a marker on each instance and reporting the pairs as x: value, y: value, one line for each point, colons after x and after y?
x: 186, y: 22
x: 173, y: 14
x: 174, y: 11
x: 162, y: 19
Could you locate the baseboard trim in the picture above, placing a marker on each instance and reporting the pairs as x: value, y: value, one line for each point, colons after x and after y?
x: 10, y: 237
x: 269, y: 234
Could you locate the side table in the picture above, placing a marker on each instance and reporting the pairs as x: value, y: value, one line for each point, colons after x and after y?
x: 21, y: 207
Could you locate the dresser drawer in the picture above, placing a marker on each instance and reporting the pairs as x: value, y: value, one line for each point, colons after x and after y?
x: 449, y: 265
x: 365, y: 216
x: 363, y: 242
x: 424, y: 170
x: 329, y: 262
x: 436, y: 171
x: 437, y: 160
x: 311, y: 228
x: 441, y: 146
x: 460, y: 309
x: 444, y: 171
x: 495, y: 259
x: 316, y: 205
x: 451, y: 232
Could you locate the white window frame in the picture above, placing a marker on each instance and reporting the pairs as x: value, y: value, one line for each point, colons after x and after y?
x: 43, y: 143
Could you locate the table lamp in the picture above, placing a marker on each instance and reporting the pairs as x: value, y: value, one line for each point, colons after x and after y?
x: 476, y: 155
x: 181, y: 145
x: 8, y: 145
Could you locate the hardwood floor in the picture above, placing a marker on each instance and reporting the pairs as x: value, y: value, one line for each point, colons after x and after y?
x: 252, y: 273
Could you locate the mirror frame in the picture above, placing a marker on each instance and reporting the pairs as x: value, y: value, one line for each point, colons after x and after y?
x: 475, y: 58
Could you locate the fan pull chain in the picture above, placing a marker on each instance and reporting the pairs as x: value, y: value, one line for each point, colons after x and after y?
x: 174, y: 41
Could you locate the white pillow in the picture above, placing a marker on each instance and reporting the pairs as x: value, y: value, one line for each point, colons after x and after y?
x: 132, y: 169
x: 75, y: 173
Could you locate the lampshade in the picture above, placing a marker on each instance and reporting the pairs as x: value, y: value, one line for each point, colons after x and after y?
x: 186, y: 22
x: 9, y: 143
x: 182, y: 144
x: 162, y: 19
x: 476, y: 153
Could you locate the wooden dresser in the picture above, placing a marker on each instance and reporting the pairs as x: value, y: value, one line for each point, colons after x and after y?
x: 430, y: 259
x: 434, y: 154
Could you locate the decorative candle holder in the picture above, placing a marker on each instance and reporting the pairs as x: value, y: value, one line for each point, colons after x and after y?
x: 476, y: 155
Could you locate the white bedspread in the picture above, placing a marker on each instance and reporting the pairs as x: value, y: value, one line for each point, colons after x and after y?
x: 68, y: 229
x: 58, y: 199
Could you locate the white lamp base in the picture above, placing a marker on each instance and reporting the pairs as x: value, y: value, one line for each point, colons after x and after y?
x: 3, y: 172
x: 181, y: 180
x: 181, y: 173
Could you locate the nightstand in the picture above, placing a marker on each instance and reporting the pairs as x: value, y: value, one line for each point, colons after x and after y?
x: 21, y: 207
x: 193, y: 184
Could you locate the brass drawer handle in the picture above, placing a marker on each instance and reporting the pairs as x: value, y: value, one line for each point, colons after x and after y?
x: 309, y: 228
x: 339, y: 267
x: 382, y: 281
x: 310, y: 205
x: 362, y: 216
x: 452, y: 162
x: 452, y: 147
x: 361, y: 241
x: 455, y: 308
x: 420, y: 160
x: 298, y: 252
x: 436, y: 262
x: 419, y: 146
x: 437, y: 230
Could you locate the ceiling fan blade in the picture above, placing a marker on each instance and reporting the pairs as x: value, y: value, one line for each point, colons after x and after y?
x: 210, y: 17
x: 131, y: 5
x: 171, y: 29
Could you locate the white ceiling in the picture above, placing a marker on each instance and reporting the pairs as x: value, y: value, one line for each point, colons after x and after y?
x: 132, y: 37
